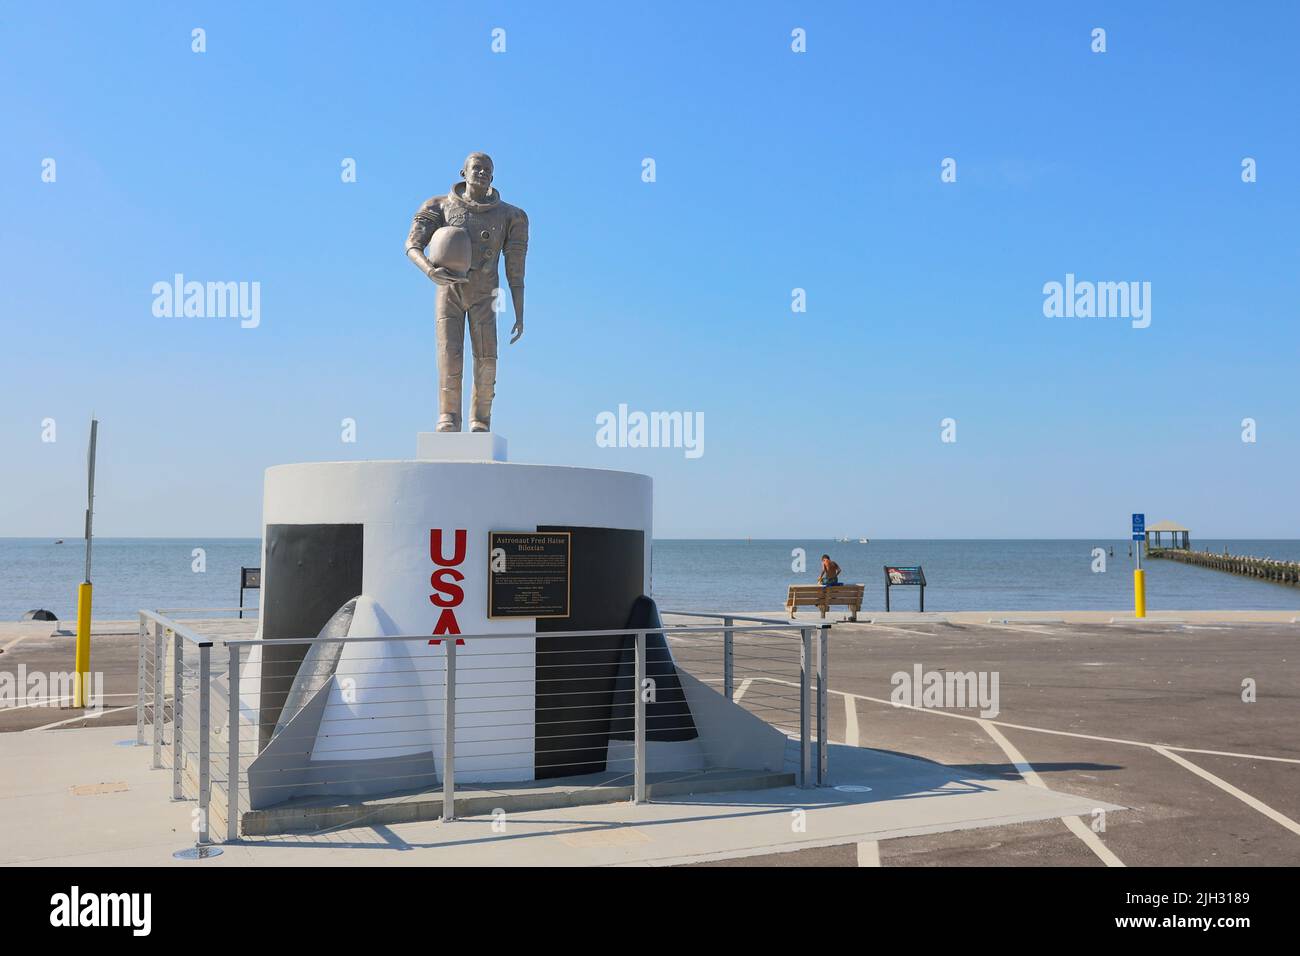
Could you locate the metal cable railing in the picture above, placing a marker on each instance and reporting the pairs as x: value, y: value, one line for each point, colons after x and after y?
x: 584, y: 706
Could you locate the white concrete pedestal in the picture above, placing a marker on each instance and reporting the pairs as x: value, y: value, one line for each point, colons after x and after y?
x: 460, y: 446
x: 423, y: 551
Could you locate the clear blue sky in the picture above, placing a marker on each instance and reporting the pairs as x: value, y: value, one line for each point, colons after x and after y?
x: 775, y: 170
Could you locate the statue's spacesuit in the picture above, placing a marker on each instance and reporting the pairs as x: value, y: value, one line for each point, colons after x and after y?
x: 494, y: 227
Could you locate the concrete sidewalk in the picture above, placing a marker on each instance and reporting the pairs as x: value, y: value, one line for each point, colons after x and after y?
x: 75, y: 797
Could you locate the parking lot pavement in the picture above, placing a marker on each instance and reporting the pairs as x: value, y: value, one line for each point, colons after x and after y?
x: 43, y: 655
x: 1153, y: 717
x: 1149, y: 716
x: 42, y: 660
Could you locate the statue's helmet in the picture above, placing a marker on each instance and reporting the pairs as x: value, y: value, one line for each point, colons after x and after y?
x: 449, y: 251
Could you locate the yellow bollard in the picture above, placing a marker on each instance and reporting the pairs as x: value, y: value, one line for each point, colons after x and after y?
x: 81, y: 679
x: 1139, y: 593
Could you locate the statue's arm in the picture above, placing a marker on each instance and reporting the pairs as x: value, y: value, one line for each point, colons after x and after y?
x: 516, y: 252
x: 427, y: 221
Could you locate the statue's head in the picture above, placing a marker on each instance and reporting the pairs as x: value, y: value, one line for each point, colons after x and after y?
x: 477, y: 171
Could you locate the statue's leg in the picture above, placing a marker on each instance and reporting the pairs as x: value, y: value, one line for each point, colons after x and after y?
x: 451, y: 359
x: 483, y: 342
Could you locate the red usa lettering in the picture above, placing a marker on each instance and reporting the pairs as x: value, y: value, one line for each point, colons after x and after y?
x: 445, y: 581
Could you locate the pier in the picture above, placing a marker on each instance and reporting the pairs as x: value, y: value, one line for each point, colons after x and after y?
x: 1268, y: 569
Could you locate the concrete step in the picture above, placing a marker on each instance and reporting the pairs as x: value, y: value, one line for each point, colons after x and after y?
x: 308, y: 815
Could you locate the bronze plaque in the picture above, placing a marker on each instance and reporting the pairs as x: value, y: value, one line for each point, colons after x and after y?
x: 528, y: 574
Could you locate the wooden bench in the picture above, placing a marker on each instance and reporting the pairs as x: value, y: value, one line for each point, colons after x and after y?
x: 814, y: 595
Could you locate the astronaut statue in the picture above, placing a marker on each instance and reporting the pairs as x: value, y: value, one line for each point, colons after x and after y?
x: 465, y: 232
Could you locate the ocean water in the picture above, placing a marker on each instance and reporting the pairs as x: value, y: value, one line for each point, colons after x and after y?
x: 963, y: 575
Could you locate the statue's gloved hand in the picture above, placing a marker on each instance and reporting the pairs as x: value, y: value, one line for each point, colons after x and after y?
x: 517, y: 331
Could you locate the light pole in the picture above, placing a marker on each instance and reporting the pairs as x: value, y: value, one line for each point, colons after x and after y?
x: 81, y: 679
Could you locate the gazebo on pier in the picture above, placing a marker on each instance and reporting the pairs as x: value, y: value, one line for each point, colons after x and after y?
x: 1174, y: 531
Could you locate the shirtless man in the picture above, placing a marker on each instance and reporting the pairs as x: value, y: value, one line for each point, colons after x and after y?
x: 830, y: 575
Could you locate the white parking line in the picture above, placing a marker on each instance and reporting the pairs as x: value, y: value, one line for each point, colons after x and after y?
x: 850, y: 721
x: 744, y: 686
x: 1226, y: 787
x: 1020, y: 629
x: 902, y: 630
x: 869, y: 853
x: 1025, y: 620
x: 1031, y: 777
x: 1092, y: 841
x: 1056, y: 733
x: 22, y: 637
x: 1015, y: 756
x: 72, y: 720
x: 49, y: 701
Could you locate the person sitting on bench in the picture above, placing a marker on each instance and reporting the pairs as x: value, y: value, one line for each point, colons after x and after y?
x: 830, y: 576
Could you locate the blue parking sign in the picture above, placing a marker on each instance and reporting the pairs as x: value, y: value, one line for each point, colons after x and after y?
x: 1139, y: 526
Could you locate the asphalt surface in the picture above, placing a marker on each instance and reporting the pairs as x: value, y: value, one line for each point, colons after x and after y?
x: 50, y: 650
x: 1117, y: 712
x: 1142, y: 685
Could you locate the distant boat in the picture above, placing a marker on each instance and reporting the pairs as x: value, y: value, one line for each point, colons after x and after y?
x: 864, y: 540
x: 60, y: 541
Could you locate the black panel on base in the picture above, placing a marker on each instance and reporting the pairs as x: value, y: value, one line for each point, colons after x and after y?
x: 311, y: 570
x: 575, y: 677
x: 668, y: 716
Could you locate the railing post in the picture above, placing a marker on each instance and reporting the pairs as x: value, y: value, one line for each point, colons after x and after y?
x: 159, y: 672
x: 638, y: 690
x: 178, y: 713
x: 728, y: 659
x: 140, y: 659
x: 449, y: 734
x: 232, y: 750
x: 205, y: 741
x: 823, y: 682
x: 805, y: 700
